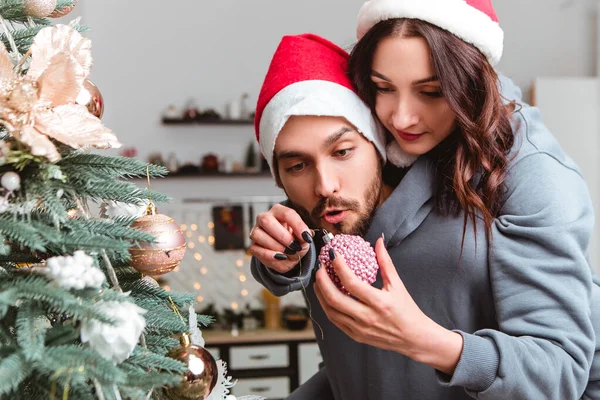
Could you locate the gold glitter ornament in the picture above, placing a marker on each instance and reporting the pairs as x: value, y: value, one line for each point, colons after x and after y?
x: 91, y: 98
x: 202, y: 373
x: 39, y: 8
x: 61, y: 12
x: 166, y: 252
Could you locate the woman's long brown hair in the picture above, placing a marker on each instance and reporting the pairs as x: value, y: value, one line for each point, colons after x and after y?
x: 472, y: 162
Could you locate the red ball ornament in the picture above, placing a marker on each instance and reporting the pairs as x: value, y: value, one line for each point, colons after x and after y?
x: 358, y: 253
x: 166, y: 252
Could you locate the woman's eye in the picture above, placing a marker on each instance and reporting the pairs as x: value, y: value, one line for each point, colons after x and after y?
x: 435, y: 95
x: 383, y: 89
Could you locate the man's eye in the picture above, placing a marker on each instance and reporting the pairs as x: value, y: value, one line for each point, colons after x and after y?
x: 295, y: 168
x: 343, y: 152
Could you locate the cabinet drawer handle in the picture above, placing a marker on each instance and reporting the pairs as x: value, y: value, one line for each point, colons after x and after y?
x: 260, y: 389
x: 259, y: 357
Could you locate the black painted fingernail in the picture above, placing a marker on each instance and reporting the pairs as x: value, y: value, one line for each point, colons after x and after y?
x: 280, y: 256
x: 383, y: 236
x: 306, y: 236
x: 289, y: 251
x: 295, y: 246
x: 331, y: 254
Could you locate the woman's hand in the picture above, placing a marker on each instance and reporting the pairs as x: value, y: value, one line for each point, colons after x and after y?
x: 279, y: 238
x: 387, y: 318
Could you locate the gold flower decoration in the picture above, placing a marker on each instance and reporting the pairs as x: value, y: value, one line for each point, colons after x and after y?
x: 41, y: 104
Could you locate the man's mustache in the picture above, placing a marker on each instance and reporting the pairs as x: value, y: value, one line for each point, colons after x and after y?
x: 333, y: 202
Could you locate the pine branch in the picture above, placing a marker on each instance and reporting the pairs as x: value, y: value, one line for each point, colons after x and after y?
x: 114, y: 229
x: 13, y: 370
x: 160, y: 344
x: 30, y: 332
x: 164, y: 320
x: 21, y: 232
x: 39, y: 289
x: 125, y: 192
x: 74, y: 357
x: 145, y: 359
x: 61, y: 335
x: 112, y: 166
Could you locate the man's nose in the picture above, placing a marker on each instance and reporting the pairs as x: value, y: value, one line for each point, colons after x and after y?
x: 327, y: 182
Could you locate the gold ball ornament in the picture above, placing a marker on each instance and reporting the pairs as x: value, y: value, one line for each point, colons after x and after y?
x: 91, y: 97
x: 202, y: 372
x: 39, y: 8
x: 166, y: 252
x: 61, y: 12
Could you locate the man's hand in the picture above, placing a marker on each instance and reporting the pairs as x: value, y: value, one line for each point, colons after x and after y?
x: 279, y: 238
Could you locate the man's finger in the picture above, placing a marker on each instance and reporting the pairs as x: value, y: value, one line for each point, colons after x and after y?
x: 289, y: 216
x: 279, y: 262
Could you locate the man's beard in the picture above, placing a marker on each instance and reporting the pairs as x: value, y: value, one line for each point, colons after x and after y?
x: 365, y: 213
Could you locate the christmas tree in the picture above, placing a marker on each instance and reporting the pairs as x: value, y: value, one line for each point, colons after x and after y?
x: 80, y: 315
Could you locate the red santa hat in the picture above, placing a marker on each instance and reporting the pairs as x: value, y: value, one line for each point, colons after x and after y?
x: 474, y: 21
x: 308, y: 76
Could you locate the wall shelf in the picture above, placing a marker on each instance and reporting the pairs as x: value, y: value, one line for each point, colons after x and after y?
x: 171, y: 121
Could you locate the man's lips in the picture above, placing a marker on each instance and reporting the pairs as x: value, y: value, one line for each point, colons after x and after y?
x: 334, y: 216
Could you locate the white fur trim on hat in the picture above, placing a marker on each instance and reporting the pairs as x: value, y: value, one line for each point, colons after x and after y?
x: 456, y: 16
x: 319, y: 98
x: 399, y: 157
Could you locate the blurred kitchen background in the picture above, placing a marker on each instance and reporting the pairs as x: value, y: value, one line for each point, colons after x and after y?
x: 180, y: 81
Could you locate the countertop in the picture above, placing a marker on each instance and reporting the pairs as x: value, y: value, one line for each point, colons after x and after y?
x: 217, y: 337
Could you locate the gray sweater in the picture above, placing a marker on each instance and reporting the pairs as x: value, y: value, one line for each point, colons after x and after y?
x: 521, y: 302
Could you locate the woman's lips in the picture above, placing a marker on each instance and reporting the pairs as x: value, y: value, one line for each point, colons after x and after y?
x: 408, y: 136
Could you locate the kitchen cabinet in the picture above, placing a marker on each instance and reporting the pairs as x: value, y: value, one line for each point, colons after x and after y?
x: 268, y: 363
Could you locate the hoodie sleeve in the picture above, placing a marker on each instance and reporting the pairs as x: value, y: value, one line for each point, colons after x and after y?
x: 541, y: 283
x: 280, y: 284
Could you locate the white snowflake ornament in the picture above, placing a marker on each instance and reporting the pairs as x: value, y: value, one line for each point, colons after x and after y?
x: 75, y: 272
x: 115, y: 342
x: 113, y: 209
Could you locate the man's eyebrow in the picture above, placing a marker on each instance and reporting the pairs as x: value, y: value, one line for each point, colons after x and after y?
x: 334, y: 137
x: 331, y: 139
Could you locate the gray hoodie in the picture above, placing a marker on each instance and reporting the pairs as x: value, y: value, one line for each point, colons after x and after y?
x: 521, y: 302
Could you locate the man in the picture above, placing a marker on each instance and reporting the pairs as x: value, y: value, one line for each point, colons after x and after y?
x: 326, y: 151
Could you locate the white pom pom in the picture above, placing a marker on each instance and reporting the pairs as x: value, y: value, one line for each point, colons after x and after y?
x: 399, y: 157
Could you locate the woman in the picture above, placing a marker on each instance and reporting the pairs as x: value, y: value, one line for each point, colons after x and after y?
x: 511, y: 317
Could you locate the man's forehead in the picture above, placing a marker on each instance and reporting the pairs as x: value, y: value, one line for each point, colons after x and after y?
x: 291, y: 142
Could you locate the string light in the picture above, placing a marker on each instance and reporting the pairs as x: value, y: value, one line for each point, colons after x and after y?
x: 239, y: 263
x: 194, y: 227
x: 183, y: 227
x: 197, y: 286
x: 191, y: 245
x: 201, y: 239
x: 242, y: 278
x: 197, y: 256
x: 211, y: 225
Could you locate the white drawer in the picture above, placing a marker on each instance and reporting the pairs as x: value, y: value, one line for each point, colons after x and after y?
x: 214, y: 351
x: 278, y: 388
x: 309, y: 358
x: 242, y: 357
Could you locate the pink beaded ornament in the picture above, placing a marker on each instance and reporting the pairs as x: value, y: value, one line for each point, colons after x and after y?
x: 358, y: 253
